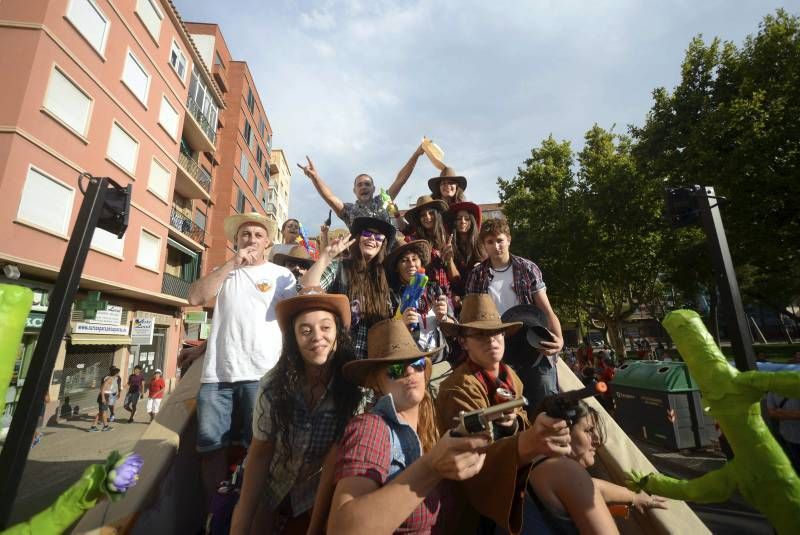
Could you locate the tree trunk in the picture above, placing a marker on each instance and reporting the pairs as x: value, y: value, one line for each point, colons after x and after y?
x: 615, y: 337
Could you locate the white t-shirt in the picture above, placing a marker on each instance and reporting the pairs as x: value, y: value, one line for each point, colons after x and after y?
x: 245, y: 340
x: 501, y: 288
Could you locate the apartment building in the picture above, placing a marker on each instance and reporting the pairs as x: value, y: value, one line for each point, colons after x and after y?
x: 114, y: 89
x: 278, y: 195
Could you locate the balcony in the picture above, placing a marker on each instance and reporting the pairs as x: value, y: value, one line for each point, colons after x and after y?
x: 172, y: 285
x: 218, y: 71
x: 192, y: 182
x: 187, y: 231
x: 197, y: 130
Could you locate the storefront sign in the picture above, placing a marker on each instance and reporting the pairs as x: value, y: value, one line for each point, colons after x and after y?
x: 99, y: 328
x: 196, y: 316
x: 111, y: 315
x: 34, y: 322
x: 142, y: 331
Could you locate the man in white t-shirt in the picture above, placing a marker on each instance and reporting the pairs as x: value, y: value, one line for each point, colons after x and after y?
x: 245, y: 340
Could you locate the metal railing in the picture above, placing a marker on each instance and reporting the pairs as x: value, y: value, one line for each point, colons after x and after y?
x: 172, y: 285
x: 186, y: 226
x: 191, y: 166
x: 197, y: 113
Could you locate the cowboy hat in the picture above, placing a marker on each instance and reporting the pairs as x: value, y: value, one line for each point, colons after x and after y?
x: 449, y: 173
x: 534, y: 321
x: 288, y: 309
x: 425, y: 202
x: 366, y: 223
x: 467, y: 206
x: 233, y: 222
x: 421, y: 247
x: 297, y: 254
x: 479, y: 313
x: 388, y: 341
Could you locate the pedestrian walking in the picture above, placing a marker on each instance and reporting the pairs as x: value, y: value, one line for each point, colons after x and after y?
x: 155, y: 393
x: 135, y: 382
x: 107, y: 385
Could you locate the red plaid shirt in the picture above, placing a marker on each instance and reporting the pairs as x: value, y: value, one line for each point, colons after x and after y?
x: 527, y: 279
x: 366, y: 451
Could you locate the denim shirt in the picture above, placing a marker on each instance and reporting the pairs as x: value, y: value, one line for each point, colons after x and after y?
x: 406, y: 447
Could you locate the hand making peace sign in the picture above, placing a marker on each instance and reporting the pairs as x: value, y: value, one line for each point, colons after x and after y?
x: 309, y: 170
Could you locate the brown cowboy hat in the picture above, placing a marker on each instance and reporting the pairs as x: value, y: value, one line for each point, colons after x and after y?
x: 447, y: 172
x: 288, y: 309
x: 423, y: 203
x: 479, y: 313
x: 467, y: 206
x: 297, y: 254
x: 232, y: 223
x: 421, y: 247
x: 388, y: 341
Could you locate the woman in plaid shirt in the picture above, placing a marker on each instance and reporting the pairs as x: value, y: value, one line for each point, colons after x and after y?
x: 303, y: 405
x: 393, y: 468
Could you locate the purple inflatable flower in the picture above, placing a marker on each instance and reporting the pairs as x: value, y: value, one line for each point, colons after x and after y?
x: 124, y: 474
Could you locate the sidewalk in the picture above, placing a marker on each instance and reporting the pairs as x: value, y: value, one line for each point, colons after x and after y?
x: 64, y: 452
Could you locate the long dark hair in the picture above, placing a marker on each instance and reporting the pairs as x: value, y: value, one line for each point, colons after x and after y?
x: 437, y: 236
x: 289, y: 378
x: 458, y: 197
x: 470, y: 251
x: 366, y: 282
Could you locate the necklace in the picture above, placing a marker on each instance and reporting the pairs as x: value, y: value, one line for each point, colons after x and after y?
x: 502, y: 270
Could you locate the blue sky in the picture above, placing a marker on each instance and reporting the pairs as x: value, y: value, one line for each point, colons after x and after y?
x: 356, y: 84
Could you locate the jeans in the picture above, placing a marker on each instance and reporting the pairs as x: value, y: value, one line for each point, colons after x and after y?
x: 225, y: 414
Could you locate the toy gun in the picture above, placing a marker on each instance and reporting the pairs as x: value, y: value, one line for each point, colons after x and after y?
x: 564, y: 406
x: 412, y: 293
x: 388, y: 204
x: 327, y: 222
x: 480, y: 420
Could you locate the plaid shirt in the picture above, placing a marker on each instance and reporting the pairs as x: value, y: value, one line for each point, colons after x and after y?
x: 378, y: 446
x: 373, y: 208
x: 311, y: 437
x: 527, y: 279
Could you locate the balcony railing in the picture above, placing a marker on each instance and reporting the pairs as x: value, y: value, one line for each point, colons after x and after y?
x: 195, y: 171
x: 172, y: 285
x: 183, y: 224
x: 197, y: 113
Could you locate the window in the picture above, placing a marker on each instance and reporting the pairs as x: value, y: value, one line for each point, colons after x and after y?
x: 248, y: 132
x: 168, y: 118
x: 218, y: 60
x: 149, y: 253
x: 200, y: 219
x: 255, y: 185
x: 240, y: 201
x: 135, y: 77
x: 200, y: 96
x: 177, y: 60
x: 45, y: 202
x: 243, y: 166
x: 122, y: 148
x: 151, y: 16
x: 90, y: 22
x: 159, y: 180
x: 251, y: 100
x: 105, y: 241
x: 261, y: 126
x: 259, y: 157
x: 68, y: 102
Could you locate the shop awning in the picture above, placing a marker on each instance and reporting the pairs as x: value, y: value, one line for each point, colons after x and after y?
x: 100, y: 340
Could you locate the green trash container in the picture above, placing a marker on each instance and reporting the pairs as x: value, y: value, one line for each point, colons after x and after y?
x: 659, y: 402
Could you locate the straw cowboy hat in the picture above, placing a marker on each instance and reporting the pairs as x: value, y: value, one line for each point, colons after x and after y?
x: 288, y: 309
x: 421, y: 247
x: 479, y: 313
x: 467, y: 206
x: 388, y: 341
x: 297, y: 254
x: 366, y: 223
x: 233, y: 222
x: 449, y: 173
x: 423, y: 203
x: 534, y: 321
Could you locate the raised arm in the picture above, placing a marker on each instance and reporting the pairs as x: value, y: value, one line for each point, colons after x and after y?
x: 404, y: 173
x: 325, y: 192
x: 313, y: 276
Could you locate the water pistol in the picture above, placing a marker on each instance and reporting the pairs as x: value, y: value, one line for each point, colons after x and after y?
x: 388, y: 203
x: 411, y: 294
x: 564, y: 406
x: 480, y: 420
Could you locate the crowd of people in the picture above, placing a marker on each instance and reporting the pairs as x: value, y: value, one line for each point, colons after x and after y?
x: 323, y: 368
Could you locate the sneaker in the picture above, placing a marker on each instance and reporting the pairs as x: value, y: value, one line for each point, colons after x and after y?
x: 107, y: 428
x: 130, y: 420
x: 111, y: 418
x: 93, y: 429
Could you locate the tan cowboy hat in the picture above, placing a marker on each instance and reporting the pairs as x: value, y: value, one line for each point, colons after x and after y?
x: 388, y: 341
x: 297, y: 254
x: 447, y: 172
x: 337, y: 304
x: 233, y: 222
x: 423, y: 203
x: 479, y: 313
x: 421, y: 247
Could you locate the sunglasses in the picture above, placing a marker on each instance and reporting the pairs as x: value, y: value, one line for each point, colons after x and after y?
x: 397, y: 370
x: 377, y: 236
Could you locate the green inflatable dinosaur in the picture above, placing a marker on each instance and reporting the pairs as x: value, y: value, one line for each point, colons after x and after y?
x: 760, y: 469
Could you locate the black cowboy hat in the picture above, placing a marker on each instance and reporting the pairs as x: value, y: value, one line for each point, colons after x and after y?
x: 534, y: 321
x: 366, y: 223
